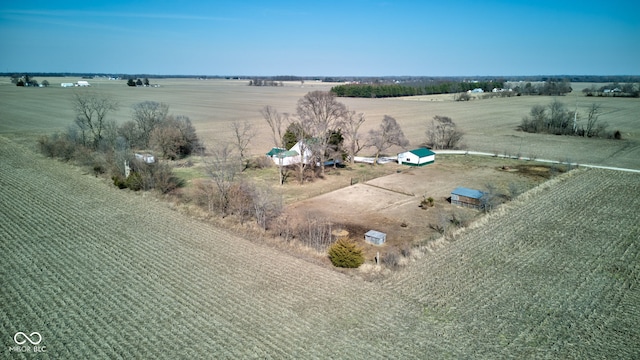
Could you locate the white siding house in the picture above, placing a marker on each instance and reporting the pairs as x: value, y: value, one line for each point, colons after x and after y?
x: 417, y: 157
x: 286, y: 158
x: 303, y: 148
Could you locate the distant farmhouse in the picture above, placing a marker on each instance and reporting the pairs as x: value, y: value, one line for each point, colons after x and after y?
x: 82, y: 83
x: 417, y: 157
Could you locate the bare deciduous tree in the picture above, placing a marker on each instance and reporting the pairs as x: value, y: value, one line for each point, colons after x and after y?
x: 267, y: 206
x: 276, y: 121
x: 174, y: 137
x: 222, y: 166
x: 301, y: 137
x: 148, y: 115
x: 242, y: 135
x: 388, y: 134
x: 443, y: 133
x: 592, y: 119
x: 91, y: 110
x: 355, y: 141
x: 320, y: 113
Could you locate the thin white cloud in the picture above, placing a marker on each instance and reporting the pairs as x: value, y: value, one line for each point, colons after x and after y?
x: 109, y: 14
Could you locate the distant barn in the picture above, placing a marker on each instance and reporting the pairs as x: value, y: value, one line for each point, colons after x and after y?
x: 467, y: 197
x: 417, y: 157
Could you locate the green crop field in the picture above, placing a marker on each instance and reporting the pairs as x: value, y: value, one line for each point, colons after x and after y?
x: 104, y: 273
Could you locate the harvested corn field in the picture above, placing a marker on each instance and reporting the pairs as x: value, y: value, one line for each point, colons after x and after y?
x: 103, y: 273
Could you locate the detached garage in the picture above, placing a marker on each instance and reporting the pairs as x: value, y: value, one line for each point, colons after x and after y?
x: 417, y: 157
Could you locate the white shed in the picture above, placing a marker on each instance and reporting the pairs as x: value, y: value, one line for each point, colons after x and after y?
x: 375, y: 237
x: 417, y: 157
x: 82, y: 83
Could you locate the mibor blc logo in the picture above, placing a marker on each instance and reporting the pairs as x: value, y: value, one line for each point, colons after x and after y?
x: 27, y: 343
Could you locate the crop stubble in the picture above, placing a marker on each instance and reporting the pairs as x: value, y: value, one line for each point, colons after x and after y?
x: 103, y: 273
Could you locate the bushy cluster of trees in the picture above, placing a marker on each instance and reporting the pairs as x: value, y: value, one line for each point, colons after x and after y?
x: 549, y: 87
x: 394, y: 90
x: 556, y: 119
x: 138, y: 82
x: 443, y: 133
x: 98, y: 142
x: 614, y: 89
x: 27, y: 80
x: 264, y: 82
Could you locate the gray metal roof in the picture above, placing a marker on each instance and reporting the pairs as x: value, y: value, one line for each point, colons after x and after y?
x: 376, y: 234
x: 470, y: 193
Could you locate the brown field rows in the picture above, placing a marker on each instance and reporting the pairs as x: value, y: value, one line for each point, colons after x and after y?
x: 102, y: 273
x: 107, y: 273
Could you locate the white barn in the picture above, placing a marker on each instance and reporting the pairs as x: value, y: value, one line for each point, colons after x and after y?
x: 82, y: 83
x: 417, y: 157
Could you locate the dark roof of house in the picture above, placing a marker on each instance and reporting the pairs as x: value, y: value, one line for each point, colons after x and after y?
x: 275, y: 151
x: 470, y: 193
x: 284, y: 154
x: 422, y: 152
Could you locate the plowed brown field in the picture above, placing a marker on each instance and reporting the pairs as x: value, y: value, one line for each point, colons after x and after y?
x: 103, y: 273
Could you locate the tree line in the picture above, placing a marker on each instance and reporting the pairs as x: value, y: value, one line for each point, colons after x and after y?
x: 614, y: 89
x: 556, y: 119
x: 394, y: 90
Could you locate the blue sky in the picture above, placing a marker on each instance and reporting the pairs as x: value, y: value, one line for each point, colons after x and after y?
x: 323, y: 38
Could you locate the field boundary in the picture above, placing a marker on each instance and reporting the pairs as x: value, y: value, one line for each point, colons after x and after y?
x: 391, y: 190
x: 480, y: 153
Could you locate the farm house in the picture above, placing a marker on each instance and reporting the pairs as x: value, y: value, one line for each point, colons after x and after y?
x: 467, y: 197
x: 417, y: 157
x: 286, y: 158
x: 375, y: 237
x: 283, y: 157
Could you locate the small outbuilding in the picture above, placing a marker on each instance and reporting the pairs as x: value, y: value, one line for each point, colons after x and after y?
x: 147, y: 158
x: 375, y: 237
x: 467, y: 197
x: 417, y: 157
